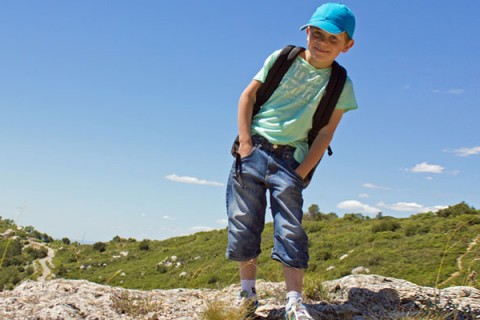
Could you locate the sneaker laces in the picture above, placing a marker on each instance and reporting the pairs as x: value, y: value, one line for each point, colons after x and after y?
x: 297, y: 311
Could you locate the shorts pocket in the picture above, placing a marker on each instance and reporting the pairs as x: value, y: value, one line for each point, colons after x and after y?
x: 292, y: 165
x: 250, y: 155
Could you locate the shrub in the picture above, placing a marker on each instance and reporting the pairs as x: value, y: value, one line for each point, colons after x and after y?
x: 386, y: 225
x: 99, y: 246
x: 61, y: 271
x: 217, y: 310
x: 143, y: 245
x: 313, y: 227
x: 374, y: 260
x: 416, y: 228
x: 9, y: 278
x: 458, y: 209
x: 354, y: 217
x: 213, y: 279
x: 314, y: 289
x: 36, y: 253
x: 161, y: 268
x: 324, y: 255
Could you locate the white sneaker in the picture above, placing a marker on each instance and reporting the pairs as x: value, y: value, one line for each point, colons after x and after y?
x: 297, y: 311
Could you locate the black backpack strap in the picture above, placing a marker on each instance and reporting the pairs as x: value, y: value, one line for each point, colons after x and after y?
x: 281, y: 65
x: 275, y: 74
x: 326, y: 106
x: 328, y: 102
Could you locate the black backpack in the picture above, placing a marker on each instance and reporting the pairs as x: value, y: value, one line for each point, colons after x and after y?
x: 326, y: 105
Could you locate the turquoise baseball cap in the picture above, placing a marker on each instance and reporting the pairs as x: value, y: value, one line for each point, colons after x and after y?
x: 334, y: 18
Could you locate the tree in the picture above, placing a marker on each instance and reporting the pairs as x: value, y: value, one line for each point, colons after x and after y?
x: 316, y: 214
x: 29, y: 229
x: 117, y: 239
x: 66, y: 241
x: 314, y: 211
x: 46, y: 238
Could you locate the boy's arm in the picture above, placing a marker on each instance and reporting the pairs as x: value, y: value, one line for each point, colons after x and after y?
x: 320, y: 144
x: 245, y: 110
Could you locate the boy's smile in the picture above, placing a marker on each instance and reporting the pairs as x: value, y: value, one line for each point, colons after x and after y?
x: 324, y: 47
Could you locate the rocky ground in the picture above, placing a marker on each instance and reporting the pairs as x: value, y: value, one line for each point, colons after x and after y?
x: 353, y: 297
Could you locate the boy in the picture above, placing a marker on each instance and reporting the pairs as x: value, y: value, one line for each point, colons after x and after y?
x: 274, y: 155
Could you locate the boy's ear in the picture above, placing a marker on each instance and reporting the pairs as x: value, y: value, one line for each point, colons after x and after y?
x: 307, y: 30
x: 348, y: 45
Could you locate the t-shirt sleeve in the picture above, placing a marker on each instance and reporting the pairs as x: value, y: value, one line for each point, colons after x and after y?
x: 262, y: 74
x: 347, y: 100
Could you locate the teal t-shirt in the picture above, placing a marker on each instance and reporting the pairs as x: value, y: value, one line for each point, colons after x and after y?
x: 286, y: 118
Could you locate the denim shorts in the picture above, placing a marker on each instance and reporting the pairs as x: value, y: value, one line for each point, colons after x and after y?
x: 267, y: 168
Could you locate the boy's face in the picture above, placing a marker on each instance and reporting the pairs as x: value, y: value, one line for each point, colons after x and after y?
x: 325, y: 47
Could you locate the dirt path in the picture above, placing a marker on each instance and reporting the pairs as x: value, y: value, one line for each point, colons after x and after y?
x: 44, y: 262
x: 472, y: 244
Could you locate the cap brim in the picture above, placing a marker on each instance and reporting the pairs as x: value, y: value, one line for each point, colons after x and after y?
x: 324, y: 25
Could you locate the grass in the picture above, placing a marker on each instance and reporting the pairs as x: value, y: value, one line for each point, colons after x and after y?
x: 219, y: 310
x: 134, y: 305
x: 434, y: 315
x: 314, y: 290
x: 447, y: 248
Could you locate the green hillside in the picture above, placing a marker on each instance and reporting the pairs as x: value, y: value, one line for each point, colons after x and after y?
x: 417, y: 249
x: 18, y: 255
x: 426, y: 249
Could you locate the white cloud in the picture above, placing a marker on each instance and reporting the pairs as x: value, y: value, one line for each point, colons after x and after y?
x: 363, y: 195
x: 409, y: 207
x: 222, y: 222
x: 373, y: 186
x: 356, y: 206
x: 455, y: 91
x: 450, y: 91
x: 201, y: 228
x: 402, y: 206
x: 435, y: 208
x: 425, y: 167
x: 168, y: 218
x: 454, y: 172
x: 465, y: 152
x: 193, y: 180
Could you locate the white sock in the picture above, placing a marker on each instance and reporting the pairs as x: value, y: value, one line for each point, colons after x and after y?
x: 293, y: 296
x: 249, y: 287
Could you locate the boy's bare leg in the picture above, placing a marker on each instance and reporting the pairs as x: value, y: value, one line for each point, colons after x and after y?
x: 248, y: 269
x: 293, y: 279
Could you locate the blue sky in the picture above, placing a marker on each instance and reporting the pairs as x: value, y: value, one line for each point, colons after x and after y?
x: 116, y: 117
